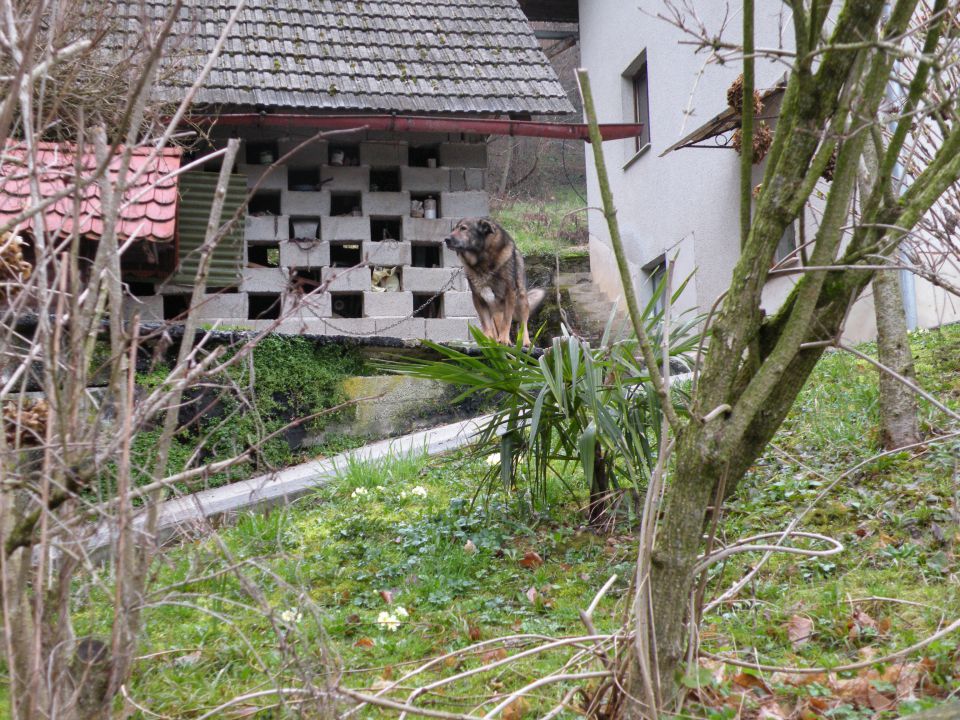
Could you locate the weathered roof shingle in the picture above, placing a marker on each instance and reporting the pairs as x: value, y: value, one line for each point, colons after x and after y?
x: 412, y: 56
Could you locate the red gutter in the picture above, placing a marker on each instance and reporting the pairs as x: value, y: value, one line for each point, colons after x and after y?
x: 412, y: 123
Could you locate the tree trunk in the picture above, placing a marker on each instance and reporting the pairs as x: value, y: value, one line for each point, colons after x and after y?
x: 898, y: 404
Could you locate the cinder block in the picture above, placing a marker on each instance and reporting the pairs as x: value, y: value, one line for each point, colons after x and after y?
x: 472, y: 155
x: 404, y: 329
x: 226, y: 306
x: 445, y: 330
x: 346, y: 227
x: 263, y: 280
x: 424, y: 230
x: 417, y: 279
x: 387, y: 304
x: 476, y: 179
x: 299, y: 202
x: 346, y: 279
x: 471, y: 203
x: 458, y: 304
x: 386, y: 203
x: 416, y: 139
x: 425, y: 179
x: 350, y: 327
x: 387, y: 252
x: 274, y: 177
x: 266, y: 228
x: 299, y: 253
x: 306, y: 306
x: 313, y: 155
x: 346, y: 178
x: 149, y: 308
x: 383, y: 154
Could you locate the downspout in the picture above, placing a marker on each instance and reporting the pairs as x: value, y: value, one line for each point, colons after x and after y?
x: 908, y: 286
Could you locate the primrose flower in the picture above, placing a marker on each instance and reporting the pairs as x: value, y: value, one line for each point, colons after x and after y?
x: 358, y: 492
x: 493, y: 459
x: 291, y: 616
x: 419, y: 490
x: 388, y: 621
x: 380, y: 488
x: 401, y: 612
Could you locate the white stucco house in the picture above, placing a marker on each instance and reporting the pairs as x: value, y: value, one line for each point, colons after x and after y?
x: 676, y: 188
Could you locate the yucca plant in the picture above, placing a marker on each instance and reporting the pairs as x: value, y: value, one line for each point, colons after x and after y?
x: 574, y: 404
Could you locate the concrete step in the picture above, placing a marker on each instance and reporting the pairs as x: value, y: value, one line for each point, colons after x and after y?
x: 572, y: 279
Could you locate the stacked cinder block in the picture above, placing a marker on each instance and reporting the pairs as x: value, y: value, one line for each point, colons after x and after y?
x: 318, y: 223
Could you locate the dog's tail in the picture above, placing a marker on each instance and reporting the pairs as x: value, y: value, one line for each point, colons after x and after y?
x: 535, y: 299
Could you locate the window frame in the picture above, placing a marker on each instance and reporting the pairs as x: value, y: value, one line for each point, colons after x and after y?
x: 636, y: 104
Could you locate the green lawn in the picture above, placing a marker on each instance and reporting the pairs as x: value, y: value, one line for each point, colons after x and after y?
x: 319, y: 575
x: 545, y: 226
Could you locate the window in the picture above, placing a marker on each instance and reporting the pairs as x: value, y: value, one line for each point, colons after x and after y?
x: 656, y: 272
x: 637, y: 100
x: 787, y: 245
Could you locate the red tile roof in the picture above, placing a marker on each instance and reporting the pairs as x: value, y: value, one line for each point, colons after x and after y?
x: 149, y: 209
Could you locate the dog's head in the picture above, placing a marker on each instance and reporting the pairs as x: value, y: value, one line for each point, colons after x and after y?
x: 469, y: 237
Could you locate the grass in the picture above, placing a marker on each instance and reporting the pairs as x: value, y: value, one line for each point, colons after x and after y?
x: 318, y: 574
x: 545, y: 226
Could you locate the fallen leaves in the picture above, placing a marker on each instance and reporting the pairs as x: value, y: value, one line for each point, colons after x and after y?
x: 799, y: 630
x: 531, y: 560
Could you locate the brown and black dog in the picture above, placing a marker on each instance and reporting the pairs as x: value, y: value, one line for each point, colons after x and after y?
x: 496, y: 275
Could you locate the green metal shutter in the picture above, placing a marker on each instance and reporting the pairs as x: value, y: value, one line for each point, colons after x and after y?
x: 196, y: 198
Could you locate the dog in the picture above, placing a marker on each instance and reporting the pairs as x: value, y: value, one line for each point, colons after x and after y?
x: 496, y: 275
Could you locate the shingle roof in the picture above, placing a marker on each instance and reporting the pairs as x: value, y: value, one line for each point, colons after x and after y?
x: 149, y: 209
x: 420, y: 56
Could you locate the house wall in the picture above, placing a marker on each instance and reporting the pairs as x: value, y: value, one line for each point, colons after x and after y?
x: 685, y: 203
x: 381, y: 182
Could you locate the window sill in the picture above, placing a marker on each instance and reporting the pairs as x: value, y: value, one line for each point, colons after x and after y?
x: 642, y: 151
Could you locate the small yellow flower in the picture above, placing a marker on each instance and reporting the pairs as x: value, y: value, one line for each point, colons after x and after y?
x: 291, y: 616
x: 401, y: 611
x: 358, y: 492
x: 388, y: 621
x: 419, y: 490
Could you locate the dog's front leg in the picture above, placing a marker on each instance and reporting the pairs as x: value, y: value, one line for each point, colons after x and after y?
x: 506, y: 318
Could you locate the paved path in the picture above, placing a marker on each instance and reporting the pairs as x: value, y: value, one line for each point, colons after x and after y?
x: 190, y: 514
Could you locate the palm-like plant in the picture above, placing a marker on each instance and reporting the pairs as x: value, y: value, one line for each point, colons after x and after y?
x: 571, y: 404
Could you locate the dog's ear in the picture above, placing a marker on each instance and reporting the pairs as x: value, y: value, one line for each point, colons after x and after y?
x: 485, y: 227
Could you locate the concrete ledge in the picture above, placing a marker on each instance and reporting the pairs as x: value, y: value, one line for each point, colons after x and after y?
x: 263, y: 280
x: 407, y: 329
x: 387, y: 304
x: 424, y: 230
x: 266, y: 228
x: 386, y: 252
x: 300, y: 202
x: 346, y: 178
x: 447, y: 329
x: 351, y: 327
x: 294, y: 253
x: 417, y: 279
x: 347, y: 227
x: 188, y: 516
x: 347, y: 279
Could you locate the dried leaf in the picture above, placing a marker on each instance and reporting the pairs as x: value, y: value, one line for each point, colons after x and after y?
x: 387, y: 596
x: 474, y: 632
x: 469, y: 548
x: 388, y: 672
x: 515, y: 710
x: 188, y: 659
x: 532, y: 594
x: 860, y: 622
x: 364, y: 642
x: 494, y: 655
x: 771, y: 711
x: 531, y: 560
x: 799, y: 630
x: 748, y: 681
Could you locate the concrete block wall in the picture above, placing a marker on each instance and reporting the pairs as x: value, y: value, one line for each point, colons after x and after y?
x: 312, y: 228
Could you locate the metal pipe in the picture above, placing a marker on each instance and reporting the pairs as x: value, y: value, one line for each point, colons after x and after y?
x: 413, y: 123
